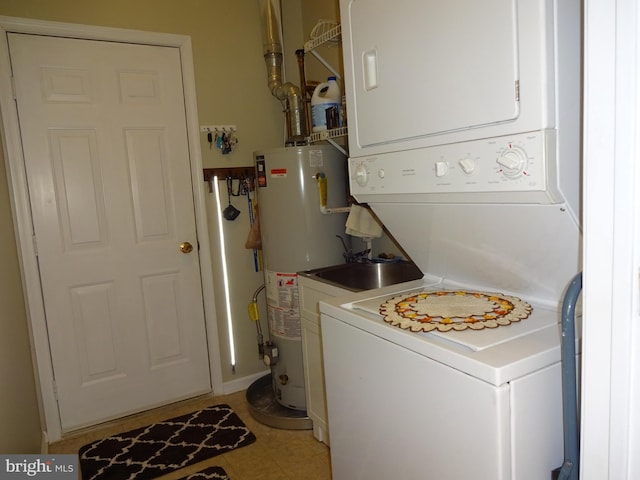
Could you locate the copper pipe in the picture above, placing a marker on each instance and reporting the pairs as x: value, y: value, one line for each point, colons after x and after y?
x: 303, y: 88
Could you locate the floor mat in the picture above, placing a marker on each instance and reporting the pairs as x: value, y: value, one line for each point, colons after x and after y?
x: 211, y: 473
x: 160, y: 448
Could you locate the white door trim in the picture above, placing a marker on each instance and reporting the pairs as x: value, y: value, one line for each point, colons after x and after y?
x: 20, y: 198
x: 610, y: 424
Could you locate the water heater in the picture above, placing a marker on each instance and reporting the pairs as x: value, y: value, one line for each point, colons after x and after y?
x: 298, y: 233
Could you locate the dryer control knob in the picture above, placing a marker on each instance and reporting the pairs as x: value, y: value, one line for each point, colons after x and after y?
x: 441, y: 169
x: 513, y: 162
x: 467, y: 165
x: 361, y: 175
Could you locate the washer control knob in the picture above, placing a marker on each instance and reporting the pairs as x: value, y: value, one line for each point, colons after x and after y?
x: 361, y: 175
x: 381, y: 173
x: 441, y: 169
x: 513, y: 162
x: 467, y: 165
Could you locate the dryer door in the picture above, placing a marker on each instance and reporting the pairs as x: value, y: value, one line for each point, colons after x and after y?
x: 416, y: 68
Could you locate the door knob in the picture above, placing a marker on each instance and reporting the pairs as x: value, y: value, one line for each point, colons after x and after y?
x: 186, y: 247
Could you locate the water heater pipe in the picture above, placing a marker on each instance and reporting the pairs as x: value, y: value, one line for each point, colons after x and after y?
x: 289, y: 94
x: 255, y: 316
x: 305, y: 93
x: 322, y: 191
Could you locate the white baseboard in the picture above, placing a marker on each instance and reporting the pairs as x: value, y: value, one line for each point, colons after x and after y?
x: 243, y: 383
x: 44, y: 443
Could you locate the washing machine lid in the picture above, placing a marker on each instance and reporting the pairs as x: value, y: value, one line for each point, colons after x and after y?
x: 540, y: 318
x: 496, y: 356
x: 530, y: 251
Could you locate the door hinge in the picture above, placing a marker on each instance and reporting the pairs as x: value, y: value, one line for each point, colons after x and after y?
x: 55, y: 390
x: 35, y: 245
x: 517, y: 90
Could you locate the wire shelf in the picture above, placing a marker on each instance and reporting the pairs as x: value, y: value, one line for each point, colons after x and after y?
x: 327, y: 134
x: 333, y: 33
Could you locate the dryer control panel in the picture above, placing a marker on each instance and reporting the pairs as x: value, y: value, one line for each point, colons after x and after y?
x: 510, y: 169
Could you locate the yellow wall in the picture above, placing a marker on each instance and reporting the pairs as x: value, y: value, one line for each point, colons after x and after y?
x: 231, y: 88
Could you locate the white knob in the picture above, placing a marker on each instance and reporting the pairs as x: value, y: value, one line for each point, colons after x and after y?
x: 441, y: 169
x: 362, y: 175
x: 513, y: 161
x: 467, y: 165
x: 381, y: 173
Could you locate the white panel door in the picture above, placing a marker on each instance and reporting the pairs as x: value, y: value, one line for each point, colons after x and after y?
x: 107, y: 161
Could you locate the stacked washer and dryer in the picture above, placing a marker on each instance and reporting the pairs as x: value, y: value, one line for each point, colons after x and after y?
x: 464, y: 139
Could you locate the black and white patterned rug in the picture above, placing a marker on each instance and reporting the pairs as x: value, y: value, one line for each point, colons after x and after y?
x: 211, y: 473
x: 160, y: 448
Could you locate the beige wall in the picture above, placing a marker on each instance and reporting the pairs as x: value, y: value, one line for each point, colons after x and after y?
x: 231, y: 88
x: 227, y: 50
x: 19, y: 415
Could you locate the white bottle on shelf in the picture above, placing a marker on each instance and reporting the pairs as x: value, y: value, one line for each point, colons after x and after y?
x: 326, y: 106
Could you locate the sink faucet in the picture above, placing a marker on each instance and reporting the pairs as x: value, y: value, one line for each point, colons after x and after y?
x: 348, y: 253
x: 350, y: 257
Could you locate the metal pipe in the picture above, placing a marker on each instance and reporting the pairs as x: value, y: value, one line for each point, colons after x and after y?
x: 254, y: 315
x: 289, y: 94
x: 254, y: 299
x: 570, y: 467
x: 303, y: 87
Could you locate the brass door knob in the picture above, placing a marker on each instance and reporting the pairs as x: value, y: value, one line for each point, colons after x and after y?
x: 186, y: 247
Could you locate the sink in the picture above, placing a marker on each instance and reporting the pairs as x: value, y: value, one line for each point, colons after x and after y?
x: 365, y: 276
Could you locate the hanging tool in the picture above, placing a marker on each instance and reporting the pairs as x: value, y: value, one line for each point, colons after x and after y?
x: 230, y: 213
x: 247, y: 190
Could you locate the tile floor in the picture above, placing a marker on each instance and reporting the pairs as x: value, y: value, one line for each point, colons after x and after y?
x: 276, y: 454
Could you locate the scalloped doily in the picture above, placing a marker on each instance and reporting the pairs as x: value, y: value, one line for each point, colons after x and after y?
x: 458, y: 310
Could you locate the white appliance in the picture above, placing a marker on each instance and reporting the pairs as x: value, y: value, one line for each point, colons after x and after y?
x: 464, y: 138
x: 297, y: 234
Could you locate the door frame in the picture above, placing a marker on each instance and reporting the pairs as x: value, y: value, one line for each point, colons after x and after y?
x: 21, y: 211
